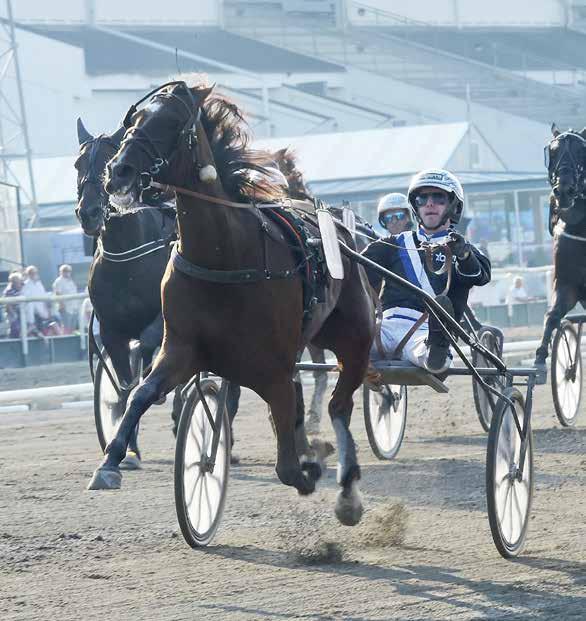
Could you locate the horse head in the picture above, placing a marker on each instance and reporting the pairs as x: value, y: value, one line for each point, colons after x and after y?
x: 160, y: 138
x: 94, y: 153
x: 565, y: 158
x: 183, y: 137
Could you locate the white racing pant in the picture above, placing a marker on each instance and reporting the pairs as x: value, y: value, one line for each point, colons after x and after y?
x: 396, y: 323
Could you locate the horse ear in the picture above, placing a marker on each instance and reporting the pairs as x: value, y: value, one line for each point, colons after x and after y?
x: 554, y: 130
x: 118, y: 135
x: 82, y: 133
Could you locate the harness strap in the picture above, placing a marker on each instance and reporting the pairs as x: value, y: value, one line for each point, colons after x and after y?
x: 570, y: 236
x: 226, y: 276
x: 133, y: 253
x: 446, y: 267
x: 287, y: 202
x: 399, y: 349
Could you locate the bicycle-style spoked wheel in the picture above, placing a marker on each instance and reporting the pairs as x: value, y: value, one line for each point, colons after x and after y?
x: 201, y: 480
x: 509, y: 485
x: 385, y: 415
x: 492, y: 341
x: 566, y: 374
x: 109, y: 406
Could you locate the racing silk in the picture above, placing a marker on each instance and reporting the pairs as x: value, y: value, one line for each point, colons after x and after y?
x: 399, y: 254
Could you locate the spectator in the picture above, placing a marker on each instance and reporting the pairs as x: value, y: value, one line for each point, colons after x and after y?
x: 13, y: 289
x: 517, y: 293
x: 68, y: 309
x: 37, y: 313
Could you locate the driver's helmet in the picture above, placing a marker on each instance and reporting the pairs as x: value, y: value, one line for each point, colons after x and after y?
x: 393, y: 202
x: 444, y: 180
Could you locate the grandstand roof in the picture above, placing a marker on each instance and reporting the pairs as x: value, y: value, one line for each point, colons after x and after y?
x: 106, y: 53
x: 473, y: 182
x: 373, y: 152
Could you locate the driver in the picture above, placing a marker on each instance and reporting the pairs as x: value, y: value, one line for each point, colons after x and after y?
x: 437, y: 200
x: 394, y: 213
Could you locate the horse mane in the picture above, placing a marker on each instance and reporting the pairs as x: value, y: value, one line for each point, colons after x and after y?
x: 286, y: 160
x: 229, y: 139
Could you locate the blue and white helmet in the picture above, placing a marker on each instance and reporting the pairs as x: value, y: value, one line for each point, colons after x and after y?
x: 392, y: 202
x: 444, y: 180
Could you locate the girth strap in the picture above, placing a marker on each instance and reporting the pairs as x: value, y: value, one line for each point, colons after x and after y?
x: 225, y: 276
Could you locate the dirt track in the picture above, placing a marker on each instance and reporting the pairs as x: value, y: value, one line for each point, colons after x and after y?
x: 66, y: 553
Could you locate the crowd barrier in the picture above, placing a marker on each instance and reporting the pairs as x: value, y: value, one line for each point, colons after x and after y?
x: 34, y: 350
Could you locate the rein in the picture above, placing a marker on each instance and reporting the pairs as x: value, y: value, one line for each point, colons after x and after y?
x: 206, y: 197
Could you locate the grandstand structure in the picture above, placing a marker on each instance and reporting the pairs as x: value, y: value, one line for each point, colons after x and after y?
x: 329, y: 68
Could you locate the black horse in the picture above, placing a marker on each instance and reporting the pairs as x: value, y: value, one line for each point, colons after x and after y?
x: 131, y: 254
x: 566, y: 162
x: 239, y: 309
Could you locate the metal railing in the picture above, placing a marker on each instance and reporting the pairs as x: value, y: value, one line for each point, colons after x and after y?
x: 22, y: 301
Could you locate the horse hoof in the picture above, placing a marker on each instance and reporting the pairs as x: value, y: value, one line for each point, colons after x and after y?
x: 234, y: 459
x: 349, y: 507
x: 106, y: 479
x: 305, y: 484
x: 131, y: 461
x: 312, y: 469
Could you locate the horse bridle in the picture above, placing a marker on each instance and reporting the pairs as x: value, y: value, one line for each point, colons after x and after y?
x: 148, y: 145
x: 92, y: 178
x: 576, y: 167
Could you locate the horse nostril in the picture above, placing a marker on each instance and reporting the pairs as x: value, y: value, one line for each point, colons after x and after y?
x: 122, y: 172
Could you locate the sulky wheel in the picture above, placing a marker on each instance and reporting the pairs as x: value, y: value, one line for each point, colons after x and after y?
x: 385, y: 415
x: 509, y: 490
x: 108, y: 405
x: 566, y: 374
x: 201, y: 481
x: 492, y: 339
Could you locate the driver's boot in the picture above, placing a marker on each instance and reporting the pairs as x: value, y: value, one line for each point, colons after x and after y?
x: 438, y: 345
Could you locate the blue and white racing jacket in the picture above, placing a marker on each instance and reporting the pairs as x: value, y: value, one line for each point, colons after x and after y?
x: 401, y: 254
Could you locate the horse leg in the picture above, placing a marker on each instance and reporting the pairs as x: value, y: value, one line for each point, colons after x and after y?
x: 170, y: 369
x: 321, y: 383
x: 352, y: 350
x: 118, y: 348
x: 232, y: 402
x: 563, y: 300
x: 282, y: 401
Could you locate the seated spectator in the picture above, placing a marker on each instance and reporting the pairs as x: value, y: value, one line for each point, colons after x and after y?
x: 68, y: 309
x: 13, y: 289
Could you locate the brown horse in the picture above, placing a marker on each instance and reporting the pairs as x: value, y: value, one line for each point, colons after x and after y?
x: 241, y: 313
